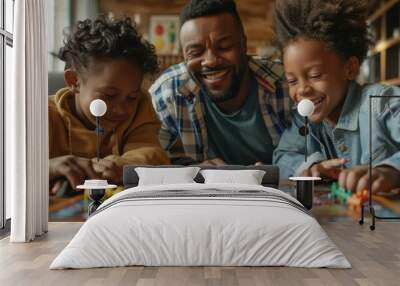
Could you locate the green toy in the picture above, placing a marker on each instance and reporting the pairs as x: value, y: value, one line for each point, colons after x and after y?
x: 340, y: 194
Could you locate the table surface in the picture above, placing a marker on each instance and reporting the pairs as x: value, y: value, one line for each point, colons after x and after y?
x: 75, y: 208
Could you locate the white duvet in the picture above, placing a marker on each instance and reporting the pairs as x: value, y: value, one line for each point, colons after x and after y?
x: 236, y: 228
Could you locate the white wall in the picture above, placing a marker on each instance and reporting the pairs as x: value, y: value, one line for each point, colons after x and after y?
x: 61, y: 14
x: 59, y: 17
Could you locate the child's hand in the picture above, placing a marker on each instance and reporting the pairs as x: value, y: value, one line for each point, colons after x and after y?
x: 329, y: 169
x: 74, y: 168
x: 108, y: 170
x: 384, y: 178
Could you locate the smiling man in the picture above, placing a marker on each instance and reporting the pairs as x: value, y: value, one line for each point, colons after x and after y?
x: 220, y: 106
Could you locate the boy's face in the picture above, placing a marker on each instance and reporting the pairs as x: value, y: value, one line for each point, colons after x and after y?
x: 319, y: 74
x: 118, y: 83
x: 214, y: 49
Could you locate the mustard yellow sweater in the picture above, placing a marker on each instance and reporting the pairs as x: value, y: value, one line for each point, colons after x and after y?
x: 133, y: 142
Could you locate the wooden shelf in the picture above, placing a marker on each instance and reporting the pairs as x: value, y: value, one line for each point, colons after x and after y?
x: 382, y: 10
x: 384, y: 57
x: 394, y: 81
x: 384, y: 45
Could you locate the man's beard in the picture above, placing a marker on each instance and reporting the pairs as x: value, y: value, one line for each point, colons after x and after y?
x: 231, y: 92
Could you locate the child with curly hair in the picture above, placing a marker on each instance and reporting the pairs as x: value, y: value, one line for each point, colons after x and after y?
x: 323, y: 44
x: 105, y: 59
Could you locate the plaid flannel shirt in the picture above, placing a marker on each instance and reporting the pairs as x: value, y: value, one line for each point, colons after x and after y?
x: 176, y: 99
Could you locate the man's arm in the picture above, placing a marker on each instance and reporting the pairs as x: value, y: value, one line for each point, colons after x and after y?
x: 162, y: 95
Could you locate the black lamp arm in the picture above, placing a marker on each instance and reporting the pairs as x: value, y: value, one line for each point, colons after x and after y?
x: 305, y: 138
x: 99, y: 132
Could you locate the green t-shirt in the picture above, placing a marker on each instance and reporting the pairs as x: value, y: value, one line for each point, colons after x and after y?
x: 241, y: 137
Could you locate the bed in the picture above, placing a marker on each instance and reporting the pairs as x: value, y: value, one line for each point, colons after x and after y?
x: 201, y: 224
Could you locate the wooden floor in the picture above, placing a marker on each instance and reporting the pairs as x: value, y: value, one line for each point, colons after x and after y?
x: 375, y: 257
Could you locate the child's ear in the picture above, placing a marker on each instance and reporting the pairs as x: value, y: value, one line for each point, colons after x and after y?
x: 353, y: 68
x: 71, y: 80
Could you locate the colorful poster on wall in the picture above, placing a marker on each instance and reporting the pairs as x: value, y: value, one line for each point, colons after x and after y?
x: 164, y: 34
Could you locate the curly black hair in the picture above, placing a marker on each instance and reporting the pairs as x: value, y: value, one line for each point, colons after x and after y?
x: 200, y: 8
x: 107, y: 38
x: 340, y: 24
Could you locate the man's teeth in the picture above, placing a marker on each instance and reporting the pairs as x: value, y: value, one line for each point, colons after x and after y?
x: 215, y: 75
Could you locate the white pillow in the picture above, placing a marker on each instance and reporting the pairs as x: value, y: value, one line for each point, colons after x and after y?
x: 248, y: 177
x: 166, y: 176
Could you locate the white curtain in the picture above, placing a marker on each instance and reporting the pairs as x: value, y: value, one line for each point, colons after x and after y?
x: 26, y: 124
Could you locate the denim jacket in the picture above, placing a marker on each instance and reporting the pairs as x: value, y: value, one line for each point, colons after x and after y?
x: 350, y: 135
